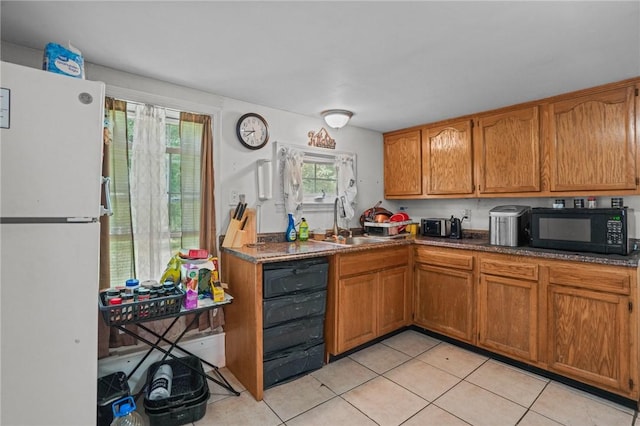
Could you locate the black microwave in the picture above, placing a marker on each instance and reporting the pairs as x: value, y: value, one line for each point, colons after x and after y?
x: 589, y: 230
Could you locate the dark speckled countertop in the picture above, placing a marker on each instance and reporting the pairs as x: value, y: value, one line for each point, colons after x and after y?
x: 267, y: 252
x: 631, y: 260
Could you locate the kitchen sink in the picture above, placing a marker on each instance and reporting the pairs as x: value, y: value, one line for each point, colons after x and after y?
x: 354, y: 241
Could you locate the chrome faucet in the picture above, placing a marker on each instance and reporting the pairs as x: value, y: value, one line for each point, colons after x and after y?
x: 336, y: 228
x: 335, y: 216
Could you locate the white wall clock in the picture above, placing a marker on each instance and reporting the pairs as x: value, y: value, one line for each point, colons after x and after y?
x: 252, y: 131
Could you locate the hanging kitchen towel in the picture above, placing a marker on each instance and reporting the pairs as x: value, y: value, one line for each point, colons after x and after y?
x: 347, y: 188
x: 292, y: 179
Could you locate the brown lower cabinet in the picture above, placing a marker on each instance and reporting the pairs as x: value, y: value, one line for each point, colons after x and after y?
x: 575, y: 319
x: 369, y: 297
x: 445, y: 291
x: 591, y: 325
x: 508, y: 306
x: 572, y: 318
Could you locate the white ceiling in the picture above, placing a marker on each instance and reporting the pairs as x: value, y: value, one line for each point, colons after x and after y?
x: 395, y: 64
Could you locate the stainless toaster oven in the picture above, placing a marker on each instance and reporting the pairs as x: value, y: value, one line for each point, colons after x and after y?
x: 435, y: 227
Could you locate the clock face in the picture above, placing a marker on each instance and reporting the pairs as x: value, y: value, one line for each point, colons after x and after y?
x: 252, y: 131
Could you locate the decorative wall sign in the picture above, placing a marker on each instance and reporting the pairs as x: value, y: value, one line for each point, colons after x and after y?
x: 321, y: 139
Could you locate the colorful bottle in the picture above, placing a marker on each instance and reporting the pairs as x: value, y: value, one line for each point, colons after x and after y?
x: 303, y: 232
x: 291, y: 229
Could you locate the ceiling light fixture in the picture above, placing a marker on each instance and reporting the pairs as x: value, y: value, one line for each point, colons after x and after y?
x: 336, y: 118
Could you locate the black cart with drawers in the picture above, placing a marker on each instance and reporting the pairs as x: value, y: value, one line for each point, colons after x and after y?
x: 294, y: 303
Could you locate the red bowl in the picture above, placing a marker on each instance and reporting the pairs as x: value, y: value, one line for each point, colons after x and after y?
x: 399, y: 217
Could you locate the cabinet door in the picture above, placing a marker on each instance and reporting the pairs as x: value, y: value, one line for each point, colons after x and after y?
x: 357, y: 310
x: 448, y: 158
x: 508, y: 152
x: 591, y: 142
x: 444, y: 301
x: 402, y: 164
x: 588, y: 336
x: 393, y: 312
x: 507, y: 317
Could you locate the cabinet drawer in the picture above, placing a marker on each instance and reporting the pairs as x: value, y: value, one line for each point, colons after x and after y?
x: 292, y: 306
x: 444, y: 258
x: 294, y: 277
x: 290, y: 364
x: 506, y: 268
x: 597, y: 278
x: 372, y: 260
x: 307, y: 331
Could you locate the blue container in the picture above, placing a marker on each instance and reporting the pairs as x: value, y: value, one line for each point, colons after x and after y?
x: 291, y: 229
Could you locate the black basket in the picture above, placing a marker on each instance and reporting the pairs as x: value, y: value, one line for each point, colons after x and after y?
x: 188, y: 383
x: 151, y: 309
x: 110, y: 389
x: 189, y: 412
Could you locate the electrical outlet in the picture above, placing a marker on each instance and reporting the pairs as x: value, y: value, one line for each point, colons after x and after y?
x: 234, y: 197
x: 466, y: 214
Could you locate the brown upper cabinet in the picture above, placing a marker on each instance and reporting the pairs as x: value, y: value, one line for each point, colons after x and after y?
x: 508, y: 151
x: 579, y: 143
x: 402, y: 168
x: 447, y: 159
x: 592, y: 142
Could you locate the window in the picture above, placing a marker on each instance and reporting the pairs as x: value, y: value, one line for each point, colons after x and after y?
x: 173, y: 178
x: 319, y: 179
x: 324, y: 174
x: 181, y: 185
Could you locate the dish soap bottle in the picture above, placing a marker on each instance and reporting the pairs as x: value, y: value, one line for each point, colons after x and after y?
x: 291, y: 229
x: 304, y: 230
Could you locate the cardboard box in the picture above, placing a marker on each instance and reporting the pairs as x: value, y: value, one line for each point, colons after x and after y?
x: 217, y: 292
x: 191, y: 299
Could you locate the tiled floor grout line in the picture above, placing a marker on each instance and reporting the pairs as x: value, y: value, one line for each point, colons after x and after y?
x: 359, y: 410
x: 335, y: 395
x: 415, y: 357
x: 443, y: 393
x: 324, y: 402
x: 464, y: 379
x: 274, y: 411
x: 529, y: 409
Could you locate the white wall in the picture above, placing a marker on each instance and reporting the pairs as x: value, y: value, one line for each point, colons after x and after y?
x: 236, y: 165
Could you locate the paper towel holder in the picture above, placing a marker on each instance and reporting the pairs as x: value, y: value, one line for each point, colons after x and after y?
x: 264, y: 173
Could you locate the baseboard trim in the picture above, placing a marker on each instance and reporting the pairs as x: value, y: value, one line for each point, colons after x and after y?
x: 209, y: 348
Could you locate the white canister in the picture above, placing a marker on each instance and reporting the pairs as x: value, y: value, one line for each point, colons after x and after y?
x: 161, y: 384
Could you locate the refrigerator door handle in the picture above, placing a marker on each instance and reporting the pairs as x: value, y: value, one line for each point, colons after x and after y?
x: 108, y: 211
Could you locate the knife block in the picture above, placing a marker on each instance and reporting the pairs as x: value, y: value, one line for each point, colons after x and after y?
x: 236, y: 237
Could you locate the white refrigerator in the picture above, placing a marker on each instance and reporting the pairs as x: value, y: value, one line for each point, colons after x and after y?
x: 50, y: 187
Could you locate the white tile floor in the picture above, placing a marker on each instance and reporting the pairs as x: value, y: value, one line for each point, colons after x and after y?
x: 413, y: 379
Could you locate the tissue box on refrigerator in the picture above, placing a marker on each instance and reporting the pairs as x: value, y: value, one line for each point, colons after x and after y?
x: 60, y: 60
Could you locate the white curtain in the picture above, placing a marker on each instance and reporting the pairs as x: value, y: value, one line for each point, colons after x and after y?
x: 347, y: 188
x: 292, y: 179
x: 149, y: 198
